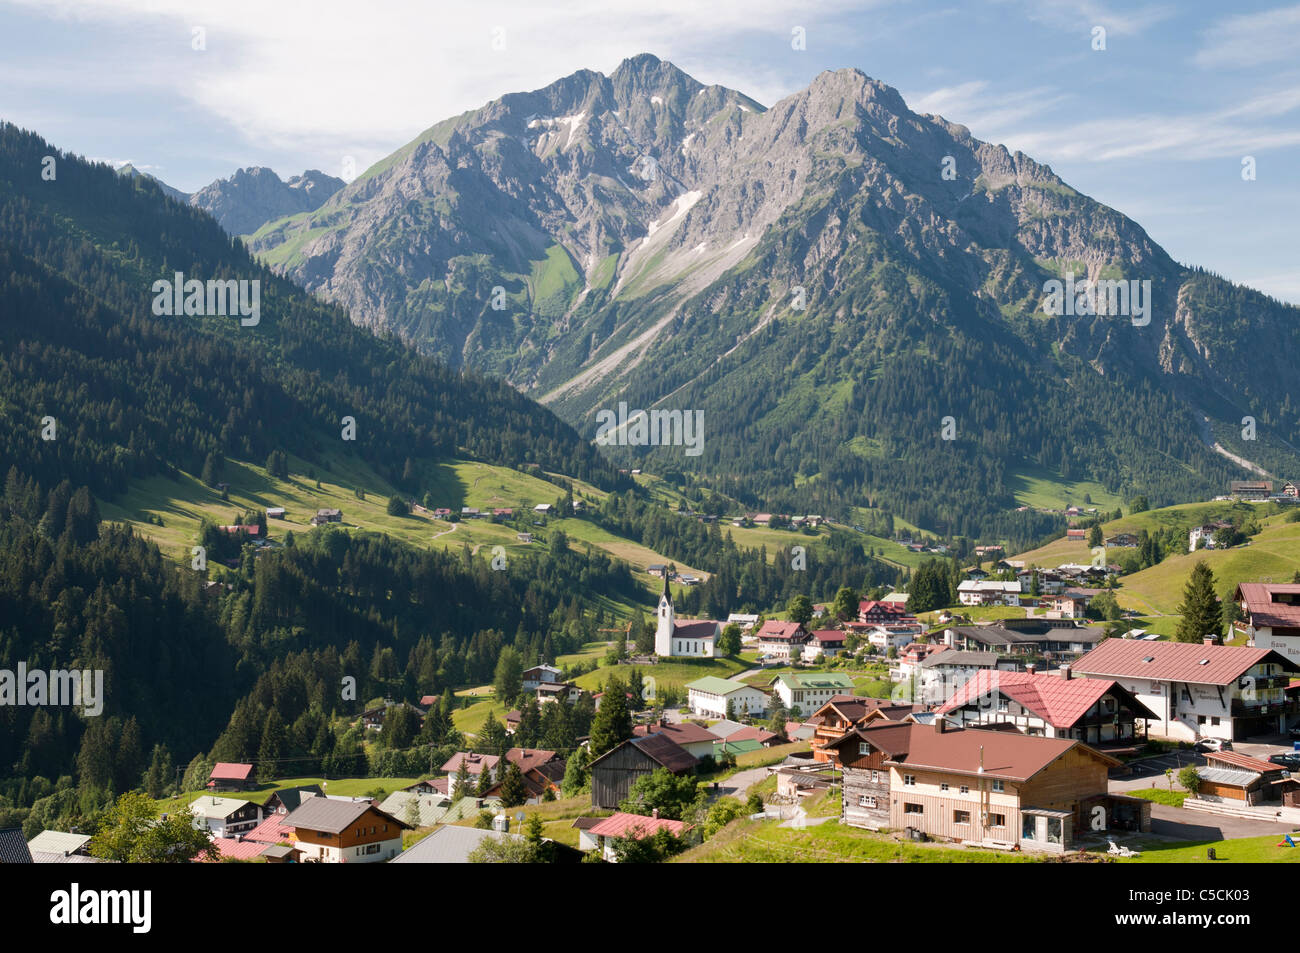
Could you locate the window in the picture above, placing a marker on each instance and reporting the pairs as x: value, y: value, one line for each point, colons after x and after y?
x: 999, y: 786
x: 875, y: 777
x: 943, y: 786
x: 1028, y: 827
x: 1054, y: 830
x: 1214, y: 720
x: 997, y: 820
x: 864, y: 748
x: 961, y: 817
x: 372, y: 848
x: 910, y: 780
x: 866, y: 800
x: 1200, y: 719
x: 965, y: 789
x: 913, y: 808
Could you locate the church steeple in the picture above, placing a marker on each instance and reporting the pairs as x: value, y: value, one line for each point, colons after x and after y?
x: 665, y: 623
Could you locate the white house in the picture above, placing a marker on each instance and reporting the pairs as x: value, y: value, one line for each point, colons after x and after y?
x: 224, y: 816
x: 809, y: 691
x: 985, y: 592
x: 540, y: 675
x: 897, y: 638
x: 1205, y: 533
x: 690, y: 638
x: 708, y: 697
x: 1198, y: 690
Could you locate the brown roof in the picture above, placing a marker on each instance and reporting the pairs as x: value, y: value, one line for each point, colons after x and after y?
x: 662, y: 750
x: 474, y: 763
x: 683, y: 733
x: 1243, y: 761
x: 333, y: 816
x: 996, y: 754
x: 854, y: 708
x: 1192, y: 662
x: 695, y: 629
x: 1263, y: 610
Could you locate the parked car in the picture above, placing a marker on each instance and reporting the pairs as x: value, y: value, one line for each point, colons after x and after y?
x: 1290, y: 760
x: 1213, y: 744
x: 1295, y: 732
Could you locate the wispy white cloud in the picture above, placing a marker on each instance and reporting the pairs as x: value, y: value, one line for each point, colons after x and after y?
x: 1080, y: 16
x: 1052, y: 125
x: 1251, y: 39
x: 296, y: 74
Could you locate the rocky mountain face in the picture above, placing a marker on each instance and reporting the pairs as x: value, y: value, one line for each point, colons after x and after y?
x: 827, y: 279
x: 251, y: 197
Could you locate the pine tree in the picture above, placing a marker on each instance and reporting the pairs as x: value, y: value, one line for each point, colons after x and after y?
x: 272, y: 748
x: 613, y: 723
x: 1201, y: 612
x: 462, y: 785
x: 485, y: 781
x: 576, y: 776
x: 158, y: 777
x: 513, y: 790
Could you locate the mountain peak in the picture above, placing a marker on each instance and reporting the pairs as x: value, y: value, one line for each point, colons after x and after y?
x: 645, y: 71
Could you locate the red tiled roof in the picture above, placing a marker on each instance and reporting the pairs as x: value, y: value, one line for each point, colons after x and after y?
x: 634, y: 825
x: 1243, y: 761
x: 1058, y: 701
x: 753, y: 732
x: 271, y: 831
x: 828, y: 635
x: 232, y: 849
x: 529, y: 758
x: 228, y: 771
x: 1261, y: 608
x: 775, y: 631
x: 892, y: 608
x: 474, y: 763
x: 1173, y: 661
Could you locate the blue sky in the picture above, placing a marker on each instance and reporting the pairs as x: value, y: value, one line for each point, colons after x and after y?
x: 1156, y: 124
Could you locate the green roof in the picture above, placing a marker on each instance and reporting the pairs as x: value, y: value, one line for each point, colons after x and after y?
x: 716, y: 686
x: 737, y: 747
x: 819, y: 680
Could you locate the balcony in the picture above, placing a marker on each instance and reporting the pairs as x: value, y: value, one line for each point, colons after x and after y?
x: 1287, y: 706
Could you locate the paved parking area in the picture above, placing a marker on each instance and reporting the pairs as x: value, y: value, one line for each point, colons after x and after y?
x: 1150, y: 772
x: 1262, y: 747
x: 1198, y: 826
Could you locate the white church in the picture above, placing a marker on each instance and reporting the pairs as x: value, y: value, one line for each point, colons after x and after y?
x: 689, y: 638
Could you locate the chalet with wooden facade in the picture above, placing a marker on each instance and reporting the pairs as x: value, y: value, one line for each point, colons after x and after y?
x: 991, y: 788
x: 335, y: 831
x: 1052, y: 705
x: 843, y: 713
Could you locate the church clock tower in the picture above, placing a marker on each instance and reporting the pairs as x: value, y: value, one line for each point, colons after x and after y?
x: 665, y: 623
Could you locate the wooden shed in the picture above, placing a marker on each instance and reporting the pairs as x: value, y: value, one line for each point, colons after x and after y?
x: 614, y: 772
